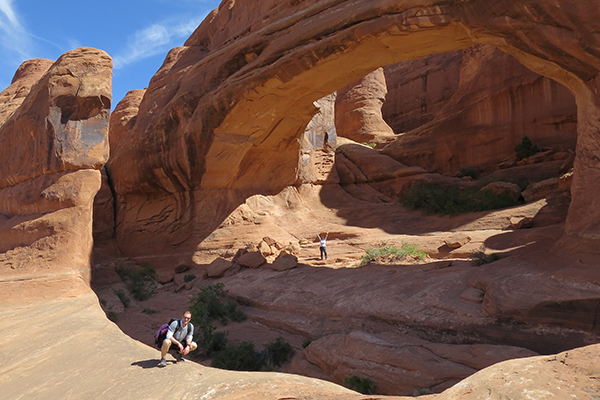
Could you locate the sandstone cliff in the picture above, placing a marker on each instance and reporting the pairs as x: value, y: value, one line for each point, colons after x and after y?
x: 477, y: 104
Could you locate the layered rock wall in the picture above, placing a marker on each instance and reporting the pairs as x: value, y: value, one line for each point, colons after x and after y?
x: 476, y: 105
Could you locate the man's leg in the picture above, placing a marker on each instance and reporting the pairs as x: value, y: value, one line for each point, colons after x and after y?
x: 164, y: 349
x: 324, y: 251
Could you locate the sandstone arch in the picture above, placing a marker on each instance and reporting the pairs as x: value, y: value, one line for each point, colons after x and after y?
x: 228, y: 107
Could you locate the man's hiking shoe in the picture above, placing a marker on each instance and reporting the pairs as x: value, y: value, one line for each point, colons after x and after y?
x: 177, y: 356
x: 163, y: 362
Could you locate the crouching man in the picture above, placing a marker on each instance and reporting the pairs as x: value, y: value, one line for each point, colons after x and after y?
x: 179, y: 338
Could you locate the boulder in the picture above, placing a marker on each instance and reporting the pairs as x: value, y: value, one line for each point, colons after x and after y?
x: 264, y: 249
x: 512, y: 190
x: 283, y: 263
x: 519, y: 222
x: 219, y: 267
x: 457, y: 240
x: 473, y: 295
x: 182, y: 266
x: 251, y: 259
x: 539, y: 190
x: 165, y: 276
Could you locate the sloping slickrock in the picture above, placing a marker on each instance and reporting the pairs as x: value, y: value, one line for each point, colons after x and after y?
x: 405, y: 366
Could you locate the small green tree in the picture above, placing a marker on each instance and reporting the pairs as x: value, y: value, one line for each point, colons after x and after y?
x: 526, y: 148
x: 360, y: 385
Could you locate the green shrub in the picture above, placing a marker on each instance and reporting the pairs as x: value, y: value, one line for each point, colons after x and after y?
x: 210, y: 304
x: 306, y: 343
x: 140, y: 280
x: 189, y: 277
x: 449, y: 200
x: 112, y: 316
x: 470, y: 171
x: 123, y: 297
x: 422, y: 391
x: 276, y: 352
x: 242, y: 357
x: 360, y: 385
x: 391, y: 251
x: 526, y: 148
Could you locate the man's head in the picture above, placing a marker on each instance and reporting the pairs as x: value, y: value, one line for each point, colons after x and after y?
x: 185, y: 318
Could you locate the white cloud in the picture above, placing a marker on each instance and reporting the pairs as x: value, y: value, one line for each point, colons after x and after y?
x: 155, y: 39
x: 13, y: 37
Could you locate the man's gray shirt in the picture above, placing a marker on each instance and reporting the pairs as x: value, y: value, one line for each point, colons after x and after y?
x: 183, y: 335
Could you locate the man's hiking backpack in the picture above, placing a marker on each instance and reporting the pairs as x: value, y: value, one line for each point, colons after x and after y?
x: 161, y: 333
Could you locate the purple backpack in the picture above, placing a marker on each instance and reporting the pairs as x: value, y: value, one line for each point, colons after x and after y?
x: 161, y: 333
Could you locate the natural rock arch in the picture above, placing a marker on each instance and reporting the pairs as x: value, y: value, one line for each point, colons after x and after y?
x: 221, y: 119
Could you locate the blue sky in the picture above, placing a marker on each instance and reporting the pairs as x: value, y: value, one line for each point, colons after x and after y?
x: 137, y: 34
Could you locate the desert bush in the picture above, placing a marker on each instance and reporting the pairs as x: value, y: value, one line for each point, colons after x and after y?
x: 474, y: 173
x: 189, y: 277
x: 449, y: 200
x: 123, y: 297
x: 526, y: 148
x: 306, y: 343
x: 360, y: 385
x: 140, y: 280
x: 240, y: 357
x: 391, y: 251
x: 422, y: 391
x: 276, y: 352
x: 210, y: 304
x: 112, y: 316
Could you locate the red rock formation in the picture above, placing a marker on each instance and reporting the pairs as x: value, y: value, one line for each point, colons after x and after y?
x: 358, y: 110
x: 53, y: 145
x: 28, y: 74
x: 477, y: 116
x: 222, y: 112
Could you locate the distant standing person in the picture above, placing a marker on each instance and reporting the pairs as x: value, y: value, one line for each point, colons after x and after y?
x: 179, y: 338
x: 323, y: 245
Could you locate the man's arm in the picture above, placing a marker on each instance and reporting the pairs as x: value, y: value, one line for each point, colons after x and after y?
x: 171, y: 332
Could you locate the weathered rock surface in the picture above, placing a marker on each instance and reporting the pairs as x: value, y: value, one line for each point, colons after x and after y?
x: 358, y: 110
x: 402, y: 366
x: 53, y: 146
x: 475, y: 116
x: 258, y: 73
x: 26, y: 76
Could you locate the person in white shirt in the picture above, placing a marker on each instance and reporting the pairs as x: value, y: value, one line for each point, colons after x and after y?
x: 323, y: 245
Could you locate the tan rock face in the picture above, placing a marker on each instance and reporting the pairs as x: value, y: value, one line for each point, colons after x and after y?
x: 68, y: 110
x: 28, y: 74
x: 53, y: 145
x: 358, y: 110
